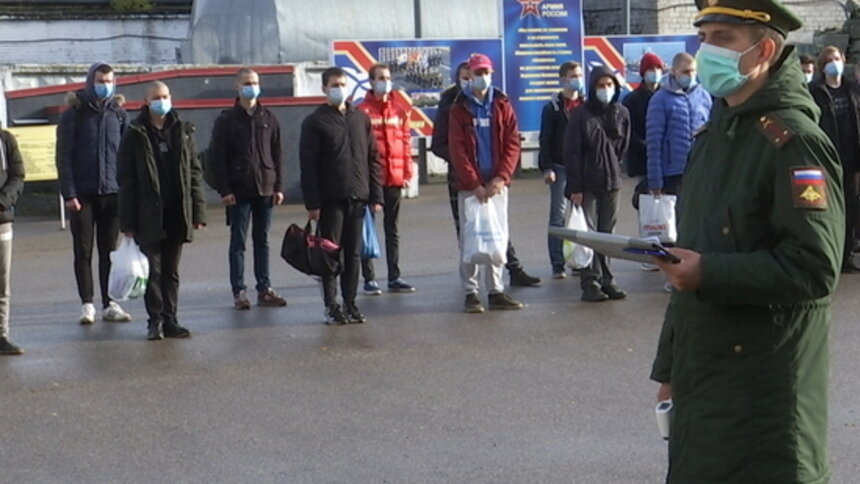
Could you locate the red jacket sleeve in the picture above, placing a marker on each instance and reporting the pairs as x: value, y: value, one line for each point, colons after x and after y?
x: 461, y: 143
x: 407, y: 144
x: 508, y: 142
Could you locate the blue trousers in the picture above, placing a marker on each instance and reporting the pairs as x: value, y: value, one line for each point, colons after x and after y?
x: 258, y: 211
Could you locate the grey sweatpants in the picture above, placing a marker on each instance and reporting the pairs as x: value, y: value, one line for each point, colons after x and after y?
x: 5, y: 273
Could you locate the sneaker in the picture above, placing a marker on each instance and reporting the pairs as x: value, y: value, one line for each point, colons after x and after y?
x: 334, y: 316
x: 115, y: 314
x: 594, y: 294
x: 172, y: 329
x: 648, y: 267
x: 371, y: 288
x: 9, y: 348
x: 519, y: 278
x: 398, y: 285
x: 269, y: 298
x: 353, y: 315
x: 88, y: 314
x: 501, y: 301
x: 614, y: 292
x: 154, y: 331
x: 240, y: 301
x: 473, y: 304
x: 559, y: 274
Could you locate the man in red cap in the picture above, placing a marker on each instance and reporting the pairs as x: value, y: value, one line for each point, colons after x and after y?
x: 484, y: 143
x: 651, y: 72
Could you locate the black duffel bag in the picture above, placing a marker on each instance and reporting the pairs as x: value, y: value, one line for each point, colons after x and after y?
x: 309, y: 253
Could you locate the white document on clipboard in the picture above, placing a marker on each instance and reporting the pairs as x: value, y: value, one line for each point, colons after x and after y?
x: 617, y: 246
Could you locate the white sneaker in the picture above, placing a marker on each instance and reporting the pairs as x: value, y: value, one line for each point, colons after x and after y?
x: 115, y: 314
x: 88, y: 314
x: 648, y: 267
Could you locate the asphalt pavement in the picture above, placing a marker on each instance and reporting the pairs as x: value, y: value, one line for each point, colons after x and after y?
x: 422, y: 393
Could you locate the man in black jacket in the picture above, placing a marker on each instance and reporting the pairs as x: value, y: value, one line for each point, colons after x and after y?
x: 340, y: 175
x: 88, y: 135
x: 839, y: 99
x: 439, y: 147
x: 160, y: 213
x: 245, y: 157
x: 11, y: 186
x: 651, y: 72
x: 597, y: 137
x: 551, y: 156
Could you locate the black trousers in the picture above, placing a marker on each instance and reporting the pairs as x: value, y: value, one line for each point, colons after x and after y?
x: 601, y: 215
x: 341, y: 222
x: 162, y: 290
x: 513, y: 263
x: 97, y: 218
x: 850, y: 216
x: 391, y: 212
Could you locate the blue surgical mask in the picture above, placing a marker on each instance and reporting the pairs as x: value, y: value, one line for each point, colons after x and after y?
x: 605, y: 95
x: 160, y: 106
x: 834, y: 68
x: 809, y: 76
x: 336, y: 95
x: 104, y: 91
x: 574, y: 84
x: 382, y: 87
x: 687, y: 82
x: 465, y: 84
x: 250, y: 92
x: 719, y: 69
x: 482, y: 83
x: 653, y: 76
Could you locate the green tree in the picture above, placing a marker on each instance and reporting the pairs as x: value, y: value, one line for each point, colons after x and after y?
x: 131, y: 5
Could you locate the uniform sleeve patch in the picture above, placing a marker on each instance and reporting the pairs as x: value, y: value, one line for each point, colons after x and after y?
x: 809, y: 188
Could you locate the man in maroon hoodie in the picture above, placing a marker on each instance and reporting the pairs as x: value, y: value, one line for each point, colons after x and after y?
x: 485, y: 148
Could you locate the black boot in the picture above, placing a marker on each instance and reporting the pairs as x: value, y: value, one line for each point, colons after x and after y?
x: 153, y: 331
x: 519, y: 278
x: 172, y: 329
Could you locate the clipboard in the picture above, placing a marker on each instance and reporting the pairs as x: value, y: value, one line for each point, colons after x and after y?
x: 617, y: 246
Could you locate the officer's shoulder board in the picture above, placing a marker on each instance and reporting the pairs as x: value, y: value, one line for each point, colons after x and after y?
x: 774, y: 129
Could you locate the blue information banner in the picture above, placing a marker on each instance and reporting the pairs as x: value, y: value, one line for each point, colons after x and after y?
x: 420, y: 69
x: 539, y: 36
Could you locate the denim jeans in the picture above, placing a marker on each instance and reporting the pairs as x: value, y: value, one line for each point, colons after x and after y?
x: 257, y: 211
x: 557, y: 205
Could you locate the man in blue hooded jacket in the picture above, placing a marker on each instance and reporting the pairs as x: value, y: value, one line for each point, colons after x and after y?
x: 88, y: 136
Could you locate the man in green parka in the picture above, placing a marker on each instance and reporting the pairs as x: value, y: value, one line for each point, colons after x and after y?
x: 743, y: 352
x: 160, y: 201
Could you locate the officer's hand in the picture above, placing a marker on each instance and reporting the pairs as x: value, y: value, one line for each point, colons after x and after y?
x: 314, y: 214
x: 576, y: 199
x: 228, y: 200
x: 73, y: 204
x: 376, y: 207
x: 481, y: 194
x: 685, y: 275
x: 665, y: 392
x: 278, y: 198
x: 549, y: 177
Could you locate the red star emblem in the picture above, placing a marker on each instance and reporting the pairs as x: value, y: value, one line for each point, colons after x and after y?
x: 530, y: 7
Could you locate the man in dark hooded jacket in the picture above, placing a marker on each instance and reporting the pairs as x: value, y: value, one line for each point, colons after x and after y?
x: 88, y: 136
x: 596, y: 140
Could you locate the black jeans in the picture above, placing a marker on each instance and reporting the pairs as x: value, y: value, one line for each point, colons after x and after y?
x: 341, y: 222
x: 162, y: 290
x: 601, y: 214
x: 391, y: 212
x: 98, y: 217
x: 513, y: 263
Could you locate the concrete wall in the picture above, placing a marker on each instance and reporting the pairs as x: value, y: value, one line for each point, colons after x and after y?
x: 154, y: 40
x: 606, y: 17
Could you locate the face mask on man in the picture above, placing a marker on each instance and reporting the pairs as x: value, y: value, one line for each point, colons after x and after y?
x: 465, y: 84
x: 719, y: 69
x: 653, y: 76
x: 482, y: 83
x: 104, y: 91
x: 336, y: 95
x: 381, y: 88
x: 686, y: 81
x: 575, y: 84
x: 605, y: 94
x: 834, y: 68
x: 809, y: 76
x: 160, y: 107
x: 250, y: 92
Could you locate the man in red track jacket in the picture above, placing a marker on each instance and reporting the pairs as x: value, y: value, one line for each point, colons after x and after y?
x: 485, y: 148
x: 389, y: 118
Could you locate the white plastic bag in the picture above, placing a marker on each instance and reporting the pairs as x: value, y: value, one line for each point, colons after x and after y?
x: 657, y: 217
x: 485, y: 231
x: 577, y: 256
x: 129, y: 271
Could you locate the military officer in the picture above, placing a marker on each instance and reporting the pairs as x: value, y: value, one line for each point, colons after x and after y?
x: 743, y: 352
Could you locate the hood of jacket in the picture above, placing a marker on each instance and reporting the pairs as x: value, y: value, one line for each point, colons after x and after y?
x: 598, y: 73
x: 786, y: 89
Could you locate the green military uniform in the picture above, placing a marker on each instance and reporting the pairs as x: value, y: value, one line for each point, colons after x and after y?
x: 747, y: 353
